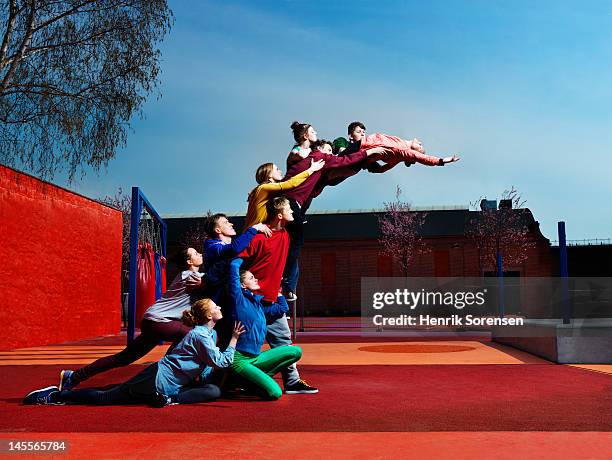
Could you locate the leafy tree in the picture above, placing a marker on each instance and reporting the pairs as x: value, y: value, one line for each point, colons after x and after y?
x: 400, y: 227
x: 72, y: 75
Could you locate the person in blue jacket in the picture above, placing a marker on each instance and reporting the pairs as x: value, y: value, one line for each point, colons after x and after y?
x: 220, y: 247
x: 180, y: 377
x: 249, y: 362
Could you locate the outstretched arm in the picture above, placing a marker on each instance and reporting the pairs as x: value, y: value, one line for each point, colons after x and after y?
x: 333, y: 161
x: 214, y: 357
x: 404, y: 149
x: 296, y: 180
x: 286, y: 185
x: 278, y: 308
x: 219, y: 250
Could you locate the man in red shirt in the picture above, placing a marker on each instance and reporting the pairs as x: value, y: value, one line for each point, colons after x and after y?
x: 265, y: 259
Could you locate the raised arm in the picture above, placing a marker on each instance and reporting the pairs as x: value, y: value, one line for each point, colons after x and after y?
x: 234, y: 288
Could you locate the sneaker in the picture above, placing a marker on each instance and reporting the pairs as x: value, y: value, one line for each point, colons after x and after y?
x: 43, y: 396
x: 300, y: 387
x: 290, y: 296
x: 67, y: 380
x: 161, y: 400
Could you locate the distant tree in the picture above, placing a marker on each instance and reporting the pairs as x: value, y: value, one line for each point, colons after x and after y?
x: 195, y: 235
x: 122, y: 202
x: 400, y: 227
x: 501, y: 231
x: 72, y: 74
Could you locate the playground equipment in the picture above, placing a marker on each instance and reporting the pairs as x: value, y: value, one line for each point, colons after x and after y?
x: 147, y: 275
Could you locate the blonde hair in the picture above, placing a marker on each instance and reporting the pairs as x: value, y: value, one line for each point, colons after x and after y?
x: 262, y: 175
x: 274, y: 206
x: 198, y: 314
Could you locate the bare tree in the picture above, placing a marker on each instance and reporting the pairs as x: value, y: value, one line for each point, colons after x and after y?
x: 502, y: 231
x: 72, y: 74
x: 122, y: 202
x: 400, y: 227
x: 196, y: 234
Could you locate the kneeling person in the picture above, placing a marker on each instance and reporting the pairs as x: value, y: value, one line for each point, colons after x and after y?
x: 265, y: 259
x: 180, y: 377
x: 249, y: 362
x: 161, y: 322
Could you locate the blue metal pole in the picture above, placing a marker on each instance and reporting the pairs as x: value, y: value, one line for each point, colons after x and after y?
x: 500, y: 282
x: 134, y: 222
x: 164, y: 231
x: 564, y: 274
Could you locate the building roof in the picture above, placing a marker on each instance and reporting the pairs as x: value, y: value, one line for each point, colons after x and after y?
x: 355, y: 224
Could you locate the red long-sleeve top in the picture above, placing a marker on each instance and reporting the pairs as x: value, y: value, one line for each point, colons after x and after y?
x: 265, y: 258
x: 295, y: 166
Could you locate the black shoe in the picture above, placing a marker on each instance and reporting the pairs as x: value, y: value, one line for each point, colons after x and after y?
x: 161, y: 400
x: 300, y: 387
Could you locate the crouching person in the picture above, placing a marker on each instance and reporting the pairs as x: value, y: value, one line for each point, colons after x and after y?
x: 250, y: 363
x: 180, y: 377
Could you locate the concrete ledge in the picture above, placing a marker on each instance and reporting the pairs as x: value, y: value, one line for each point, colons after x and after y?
x: 583, y: 341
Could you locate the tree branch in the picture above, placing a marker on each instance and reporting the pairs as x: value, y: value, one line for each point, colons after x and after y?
x: 62, y: 15
x: 83, y: 41
x: 24, y: 44
x: 9, y: 31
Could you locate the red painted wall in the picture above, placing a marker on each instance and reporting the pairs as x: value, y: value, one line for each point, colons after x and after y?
x: 60, y: 264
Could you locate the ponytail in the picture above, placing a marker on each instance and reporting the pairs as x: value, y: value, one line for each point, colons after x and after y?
x: 299, y: 131
x: 198, y: 314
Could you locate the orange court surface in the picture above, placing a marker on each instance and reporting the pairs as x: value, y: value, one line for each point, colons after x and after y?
x: 387, y: 398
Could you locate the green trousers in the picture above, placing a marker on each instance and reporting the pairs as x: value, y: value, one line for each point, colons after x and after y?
x: 260, y: 369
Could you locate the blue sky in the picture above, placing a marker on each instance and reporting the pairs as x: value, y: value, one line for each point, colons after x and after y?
x: 520, y: 90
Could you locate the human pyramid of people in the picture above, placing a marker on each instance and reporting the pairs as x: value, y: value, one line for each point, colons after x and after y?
x: 253, y: 276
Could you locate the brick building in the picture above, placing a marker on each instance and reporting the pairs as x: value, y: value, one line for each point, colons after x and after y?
x: 343, y: 246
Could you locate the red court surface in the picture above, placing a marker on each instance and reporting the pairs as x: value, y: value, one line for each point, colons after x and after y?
x: 318, y: 445
x: 359, y: 398
x: 514, y: 406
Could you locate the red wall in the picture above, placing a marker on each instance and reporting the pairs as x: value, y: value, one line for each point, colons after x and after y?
x: 60, y: 264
